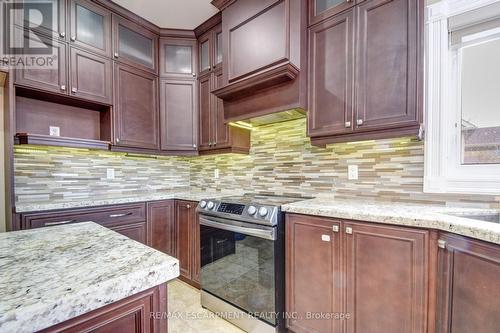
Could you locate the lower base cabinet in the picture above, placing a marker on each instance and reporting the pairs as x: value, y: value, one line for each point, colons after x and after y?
x: 161, y: 220
x: 130, y: 315
x: 468, y: 291
x: 364, y: 277
x: 188, y: 240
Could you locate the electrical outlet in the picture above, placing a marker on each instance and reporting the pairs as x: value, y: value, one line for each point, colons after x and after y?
x: 216, y: 174
x: 110, y: 173
x: 352, y: 172
x: 54, y: 131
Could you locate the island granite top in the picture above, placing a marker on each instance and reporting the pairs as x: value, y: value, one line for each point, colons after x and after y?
x: 50, y: 275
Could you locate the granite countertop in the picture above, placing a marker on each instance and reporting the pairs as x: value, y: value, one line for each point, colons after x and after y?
x: 50, y: 275
x: 413, y: 215
x: 115, y: 200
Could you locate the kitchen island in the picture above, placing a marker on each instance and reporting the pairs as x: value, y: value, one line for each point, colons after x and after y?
x: 82, y: 277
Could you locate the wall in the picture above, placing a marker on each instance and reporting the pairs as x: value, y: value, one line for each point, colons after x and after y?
x: 53, y: 173
x: 281, y: 161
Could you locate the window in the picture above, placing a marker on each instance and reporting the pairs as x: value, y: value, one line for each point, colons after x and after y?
x: 463, y: 97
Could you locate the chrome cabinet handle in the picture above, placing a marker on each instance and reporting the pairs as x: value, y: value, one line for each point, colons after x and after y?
x: 59, y: 222
x: 335, y: 228
x: 120, y: 215
x: 348, y: 230
x: 188, y: 206
x: 62, y: 34
x: 63, y: 87
x: 194, y: 75
x: 117, y: 139
x: 116, y: 54
x: 194, y: 145
x: 347, y: 124
x: 221, y: 241
x: 74, y: 90
x: 360, y: 122
x: 73, y: 38
x: 442, y: 244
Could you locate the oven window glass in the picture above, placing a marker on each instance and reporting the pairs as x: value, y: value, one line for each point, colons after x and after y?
x: 240, y: 270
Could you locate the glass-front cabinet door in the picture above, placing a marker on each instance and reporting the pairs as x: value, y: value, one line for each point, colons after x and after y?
x: 205, y: 54
x: 321, y: 9
x: 90, y: 27
x: 134, y: 45
x: 218, y: 46
x: 178, y: 58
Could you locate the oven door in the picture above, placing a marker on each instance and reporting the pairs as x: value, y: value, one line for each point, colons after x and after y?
x: 238, y: 265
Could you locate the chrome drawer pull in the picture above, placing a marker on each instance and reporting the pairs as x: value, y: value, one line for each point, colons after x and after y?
x: 120, y: 215
x: 59, y: 222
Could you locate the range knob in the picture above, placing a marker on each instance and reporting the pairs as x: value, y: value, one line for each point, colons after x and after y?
x: 263, y: 211
x: 252, y: 210
x: 210, y: 205
x: 203, y: 204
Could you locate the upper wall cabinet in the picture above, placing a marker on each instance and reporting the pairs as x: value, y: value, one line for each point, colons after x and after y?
x: 90, y: 27
x: 365, y: 72
x: 321, y: 9
x: 210, y: 50
x: 134, y: 45
x: 178, y: 58
x: 55, y: 27
x: 136, y: 108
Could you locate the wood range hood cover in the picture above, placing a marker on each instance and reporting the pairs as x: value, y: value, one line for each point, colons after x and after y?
x: 264, y: 57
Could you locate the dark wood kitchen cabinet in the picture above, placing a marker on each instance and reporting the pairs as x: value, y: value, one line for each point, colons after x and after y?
x: 178, y: 58
x: 179, y: 115
x: 161, y: 221
x: 129, y: 315
x: 53, y: 80
x: 91, y: 76
x: 215, y: 135
x: 386, y: 278
x: 313, y: 262
x: 331, y: 71
x: 126, y: 219
x: 134, y: 45
x: 78, y: 73
x: 468, y: 293
x: 178, y: 95
x: 321, y: 9
x: 376, y: 274
x: 136, y: 120
x: 55, y: 27
x: 380, y: 94
x: 187, y: 229
x: 90, y: 27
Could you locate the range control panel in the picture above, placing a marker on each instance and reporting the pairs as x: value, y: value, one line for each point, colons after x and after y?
x: 231, y: 208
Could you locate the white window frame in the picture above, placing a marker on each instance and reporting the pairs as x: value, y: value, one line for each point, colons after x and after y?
x: 444, y: 172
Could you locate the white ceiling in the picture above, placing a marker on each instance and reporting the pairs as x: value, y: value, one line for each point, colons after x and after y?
x: 175, y: 14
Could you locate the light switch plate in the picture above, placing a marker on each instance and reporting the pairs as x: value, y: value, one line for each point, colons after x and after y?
x: 352, y: 171
x: 54, y: 131
x: 325, y: 238
x: 216, y: 174
x: 110, y: 173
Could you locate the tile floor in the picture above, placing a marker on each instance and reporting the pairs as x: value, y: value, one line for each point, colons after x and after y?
x: 187, y: 315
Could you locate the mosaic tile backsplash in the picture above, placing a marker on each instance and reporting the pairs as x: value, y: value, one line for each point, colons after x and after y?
x: 281, y: 161
x: 53, y: 173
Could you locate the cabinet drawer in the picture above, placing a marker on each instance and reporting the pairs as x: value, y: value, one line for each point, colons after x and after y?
x: 107, y: 216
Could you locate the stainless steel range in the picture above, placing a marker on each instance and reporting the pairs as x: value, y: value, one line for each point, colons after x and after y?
x: 242, y: 260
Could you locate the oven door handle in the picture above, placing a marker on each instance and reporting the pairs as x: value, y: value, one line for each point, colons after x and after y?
x: 260, y: 233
